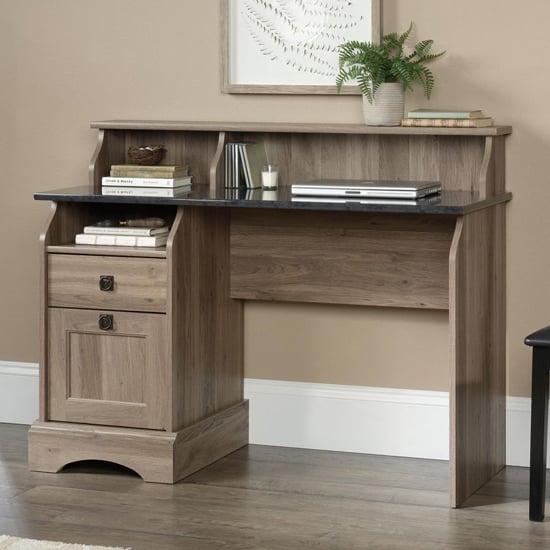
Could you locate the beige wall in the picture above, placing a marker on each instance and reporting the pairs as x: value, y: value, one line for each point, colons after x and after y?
x: 65, y: 63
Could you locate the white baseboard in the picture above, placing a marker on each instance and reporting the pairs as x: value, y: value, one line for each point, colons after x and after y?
x: 356, y: 419
x: 18, y: 392
x: 349, y: 418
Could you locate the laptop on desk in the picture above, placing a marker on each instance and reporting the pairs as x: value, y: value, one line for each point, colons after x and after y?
x: 380, y: 189
x: 422, y: 201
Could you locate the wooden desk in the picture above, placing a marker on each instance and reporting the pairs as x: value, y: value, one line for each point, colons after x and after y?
x: 448, y: 255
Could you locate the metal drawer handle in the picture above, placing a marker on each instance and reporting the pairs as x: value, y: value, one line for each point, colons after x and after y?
x: 106, y: 321
x: 106, y: 283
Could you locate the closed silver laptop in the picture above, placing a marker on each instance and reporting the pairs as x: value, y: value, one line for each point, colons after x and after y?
x: 383, y: 189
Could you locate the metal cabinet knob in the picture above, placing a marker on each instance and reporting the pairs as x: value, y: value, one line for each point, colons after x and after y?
x: 106, y: 282
x: 106, y: 321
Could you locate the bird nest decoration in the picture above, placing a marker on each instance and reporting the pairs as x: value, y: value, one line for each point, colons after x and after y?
x: 146, y: 155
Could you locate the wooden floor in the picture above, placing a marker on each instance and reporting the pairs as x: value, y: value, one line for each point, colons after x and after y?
x: 265, y: 498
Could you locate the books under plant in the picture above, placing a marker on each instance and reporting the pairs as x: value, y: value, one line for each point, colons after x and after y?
x: 128, y: 191
x: 444, y: 113
x: 146, y: 182
x: 158, y: 171
x: 448, y: 122
x: 121, y: 240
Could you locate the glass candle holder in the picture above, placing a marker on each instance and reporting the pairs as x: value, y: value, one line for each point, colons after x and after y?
x: 270, y: 176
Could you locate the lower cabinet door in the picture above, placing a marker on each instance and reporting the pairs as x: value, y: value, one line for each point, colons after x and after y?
x: 107, y: 367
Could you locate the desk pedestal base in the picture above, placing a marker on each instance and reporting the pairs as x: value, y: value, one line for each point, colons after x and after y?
x: 157, y: 456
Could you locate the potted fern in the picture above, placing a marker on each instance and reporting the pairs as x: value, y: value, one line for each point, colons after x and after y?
x: 383, y: 72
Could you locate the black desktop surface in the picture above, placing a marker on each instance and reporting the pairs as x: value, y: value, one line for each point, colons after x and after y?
x: 448, y: 202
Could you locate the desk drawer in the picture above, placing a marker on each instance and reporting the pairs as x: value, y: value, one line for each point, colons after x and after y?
x: 107, y: 282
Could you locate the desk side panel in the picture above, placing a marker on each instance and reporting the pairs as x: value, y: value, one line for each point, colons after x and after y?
x: 207, y: 325
x: 62, y: 224
x: 477, y: 326
x: 341, y: 258
x: 45, y: 238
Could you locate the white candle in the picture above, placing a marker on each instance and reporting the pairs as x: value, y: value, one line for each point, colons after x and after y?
x: 270, y: 176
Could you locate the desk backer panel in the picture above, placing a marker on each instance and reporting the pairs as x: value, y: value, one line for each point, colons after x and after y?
x: 341, y: 258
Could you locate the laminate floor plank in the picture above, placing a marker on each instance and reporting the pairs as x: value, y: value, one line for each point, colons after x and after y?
x: 266, y: 498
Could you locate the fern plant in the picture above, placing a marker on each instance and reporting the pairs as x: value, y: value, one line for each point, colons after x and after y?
x: 372, y: 64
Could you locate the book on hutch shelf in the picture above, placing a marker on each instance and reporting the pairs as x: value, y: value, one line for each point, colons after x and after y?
x: 146, y: 182
x: 243, y: 164
x: 155, y: 171
x: 125, y: 230
x: 447, y: 122
x: 253, y: 157
x: 444, y: 113
x: 121, y: 240
x: 128, y: 191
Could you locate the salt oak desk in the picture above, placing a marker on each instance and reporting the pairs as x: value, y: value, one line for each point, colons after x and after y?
x: 177, y: 404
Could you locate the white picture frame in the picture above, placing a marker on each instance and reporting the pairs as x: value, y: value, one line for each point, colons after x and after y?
x: 291, y: 46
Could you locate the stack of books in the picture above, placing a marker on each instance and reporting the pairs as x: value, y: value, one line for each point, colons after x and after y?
x: 123, y: 235
x: 243, y: 164
x: 147, y: 181
x: 446, y: 119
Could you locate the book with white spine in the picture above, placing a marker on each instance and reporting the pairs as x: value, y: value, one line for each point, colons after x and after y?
x: 121, y: 240
x: 125, y: 230
x: 108, y: 181
x: 128, y: 191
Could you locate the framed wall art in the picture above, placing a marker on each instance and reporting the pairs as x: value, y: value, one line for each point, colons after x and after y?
x: 291, y: 46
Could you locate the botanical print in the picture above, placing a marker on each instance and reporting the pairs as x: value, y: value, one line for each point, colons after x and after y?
x: 293, y: 41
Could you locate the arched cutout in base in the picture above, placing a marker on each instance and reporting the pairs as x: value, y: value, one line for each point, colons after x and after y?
x: 94, y: 466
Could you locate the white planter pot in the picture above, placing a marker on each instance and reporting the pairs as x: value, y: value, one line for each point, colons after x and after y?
x: 387, y: 106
